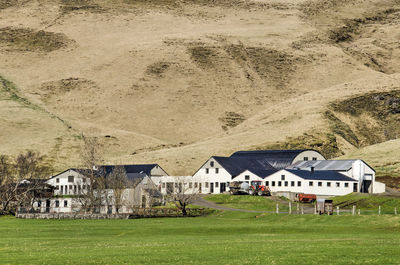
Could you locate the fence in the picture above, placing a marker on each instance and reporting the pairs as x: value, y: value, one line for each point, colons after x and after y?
x: 301, y: 208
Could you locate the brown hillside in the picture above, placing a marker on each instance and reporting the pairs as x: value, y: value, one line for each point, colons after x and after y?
x: 174, y: 82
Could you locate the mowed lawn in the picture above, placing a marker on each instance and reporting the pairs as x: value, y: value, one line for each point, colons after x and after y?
x: 222, y: 238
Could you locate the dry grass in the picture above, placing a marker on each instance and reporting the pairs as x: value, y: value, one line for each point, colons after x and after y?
x: 174, y: 82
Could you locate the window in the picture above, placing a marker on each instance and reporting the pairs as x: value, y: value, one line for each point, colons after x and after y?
x: 314, y: 158
x: 84, y: 180
x: 299, y: 183
x: 310, y: 183
x: 346, y: 185
x: 79, y: 188
x: 70, y: 178
x: 196, y: 185
x: 62, y: 189
x: 267, y: 183
x: 279, y: 183
x: 190, y: 185
x: 211, y: 163
x: 282, y: 177
x: 305, y: 158
x: 65, y: 203
x: 292, y: 183
x: 247, y: 177
x: 84, y: 186
x: 273, y: 183
x: 57, y: 180
x: 337, y: 184
x: 328, y: 184
x: 216, y: 184
x: 66, y: 189
x: 216, y: 170
x: 176, y: 185
x: 206, y: 184
x: 74, y: 188
x: 319, y: 184
x: 207, y: 170
x: 57, y: 204
x: 163, y: 185
x: 286, y: 183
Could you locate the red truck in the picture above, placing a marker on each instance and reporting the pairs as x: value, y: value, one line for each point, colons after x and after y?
x: 301, y: 197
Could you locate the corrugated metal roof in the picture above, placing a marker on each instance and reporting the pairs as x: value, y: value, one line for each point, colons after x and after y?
x: 263, y: 173
x: 236, y: 165
x: 320, y: 175
x: 338, y: 165
x: 279, y: 159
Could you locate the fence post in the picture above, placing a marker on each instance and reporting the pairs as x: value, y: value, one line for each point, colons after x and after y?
x: 315, y: 209
x: 354, y: 210
x: 359, y: 211
x: 290, y: 207
x: 302, y: 209
x: 297, y: 209
x: 395, y: 210
x: 277, y: 208
x: 379, y: 210
x: 337, y: 210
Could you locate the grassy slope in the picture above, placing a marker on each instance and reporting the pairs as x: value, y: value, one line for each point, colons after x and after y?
x: 226, y: 238
x: 368, y: 202
x: 203, y: 60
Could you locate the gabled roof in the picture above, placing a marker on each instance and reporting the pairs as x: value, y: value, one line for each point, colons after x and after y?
x: 335, y: 165
x: 130, y: 169
x: 320, y: 175
x: 262, y: 173
x: 236, y: 165
x: 277, y: 158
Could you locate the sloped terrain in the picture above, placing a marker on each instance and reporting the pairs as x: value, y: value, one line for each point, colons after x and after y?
x: 174, y: 82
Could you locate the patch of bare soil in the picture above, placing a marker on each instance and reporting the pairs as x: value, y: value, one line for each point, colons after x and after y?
x: 231, y: 119
x: 56, y: 88
x: 25, y: 39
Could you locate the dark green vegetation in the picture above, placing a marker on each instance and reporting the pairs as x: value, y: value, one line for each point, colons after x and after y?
x: 224, y: 238
x: 368, y: 202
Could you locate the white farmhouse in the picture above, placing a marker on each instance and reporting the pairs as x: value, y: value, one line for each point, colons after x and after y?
x: 355, y: 169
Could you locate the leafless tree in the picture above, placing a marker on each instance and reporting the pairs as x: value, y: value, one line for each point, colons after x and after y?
x: 21, y: 180
x: 116, y: 182
x: 184, y: 193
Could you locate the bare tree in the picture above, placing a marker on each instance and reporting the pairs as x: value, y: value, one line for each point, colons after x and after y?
x: 184, y: 193
x: 116, y: 182
x: 21, y: 180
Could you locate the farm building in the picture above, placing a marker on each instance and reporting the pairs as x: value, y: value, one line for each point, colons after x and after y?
x: 120, y: 187
x: 286, y: 181
x: 217, y: 171
x: 355, y: 169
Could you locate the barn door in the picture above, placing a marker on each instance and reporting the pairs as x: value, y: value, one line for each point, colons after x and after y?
x: 212, y: 187
x: 222, y: 187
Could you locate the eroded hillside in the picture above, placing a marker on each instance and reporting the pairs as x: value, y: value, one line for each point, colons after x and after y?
x: 174, y: 82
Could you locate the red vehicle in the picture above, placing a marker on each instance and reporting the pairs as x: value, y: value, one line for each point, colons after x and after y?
x: 257, y: 188
x: 301, y: 197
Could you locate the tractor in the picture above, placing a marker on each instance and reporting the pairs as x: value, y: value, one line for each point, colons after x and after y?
x: 257, y: 188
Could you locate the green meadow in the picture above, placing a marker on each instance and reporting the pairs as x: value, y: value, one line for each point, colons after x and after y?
x: 220, y: 238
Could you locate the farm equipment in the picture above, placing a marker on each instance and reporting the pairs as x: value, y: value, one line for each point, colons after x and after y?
x: 301, y: 197
x: 324, y: 206
x: 238, y: 187
x: 257, y: 188
x: 242, y: 187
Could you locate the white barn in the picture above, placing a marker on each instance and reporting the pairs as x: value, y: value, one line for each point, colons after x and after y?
x: 355, y: 169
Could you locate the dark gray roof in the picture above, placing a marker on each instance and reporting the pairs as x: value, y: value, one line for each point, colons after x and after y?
x: 262, y: 173
x: 129, y: 169
x: 279, y: 159
x: 320, y: 175
x: 236, y: 165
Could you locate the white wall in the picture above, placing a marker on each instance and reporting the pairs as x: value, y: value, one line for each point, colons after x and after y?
x: 212, y: 176
x: 379, y: 187
x: 247, y: 176
x: 305, y: 187
x: 308, y: 155
x: 78, y: 186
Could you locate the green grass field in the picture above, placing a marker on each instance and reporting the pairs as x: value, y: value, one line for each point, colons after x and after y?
x: 247, y: 202
x: 221, y: 238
